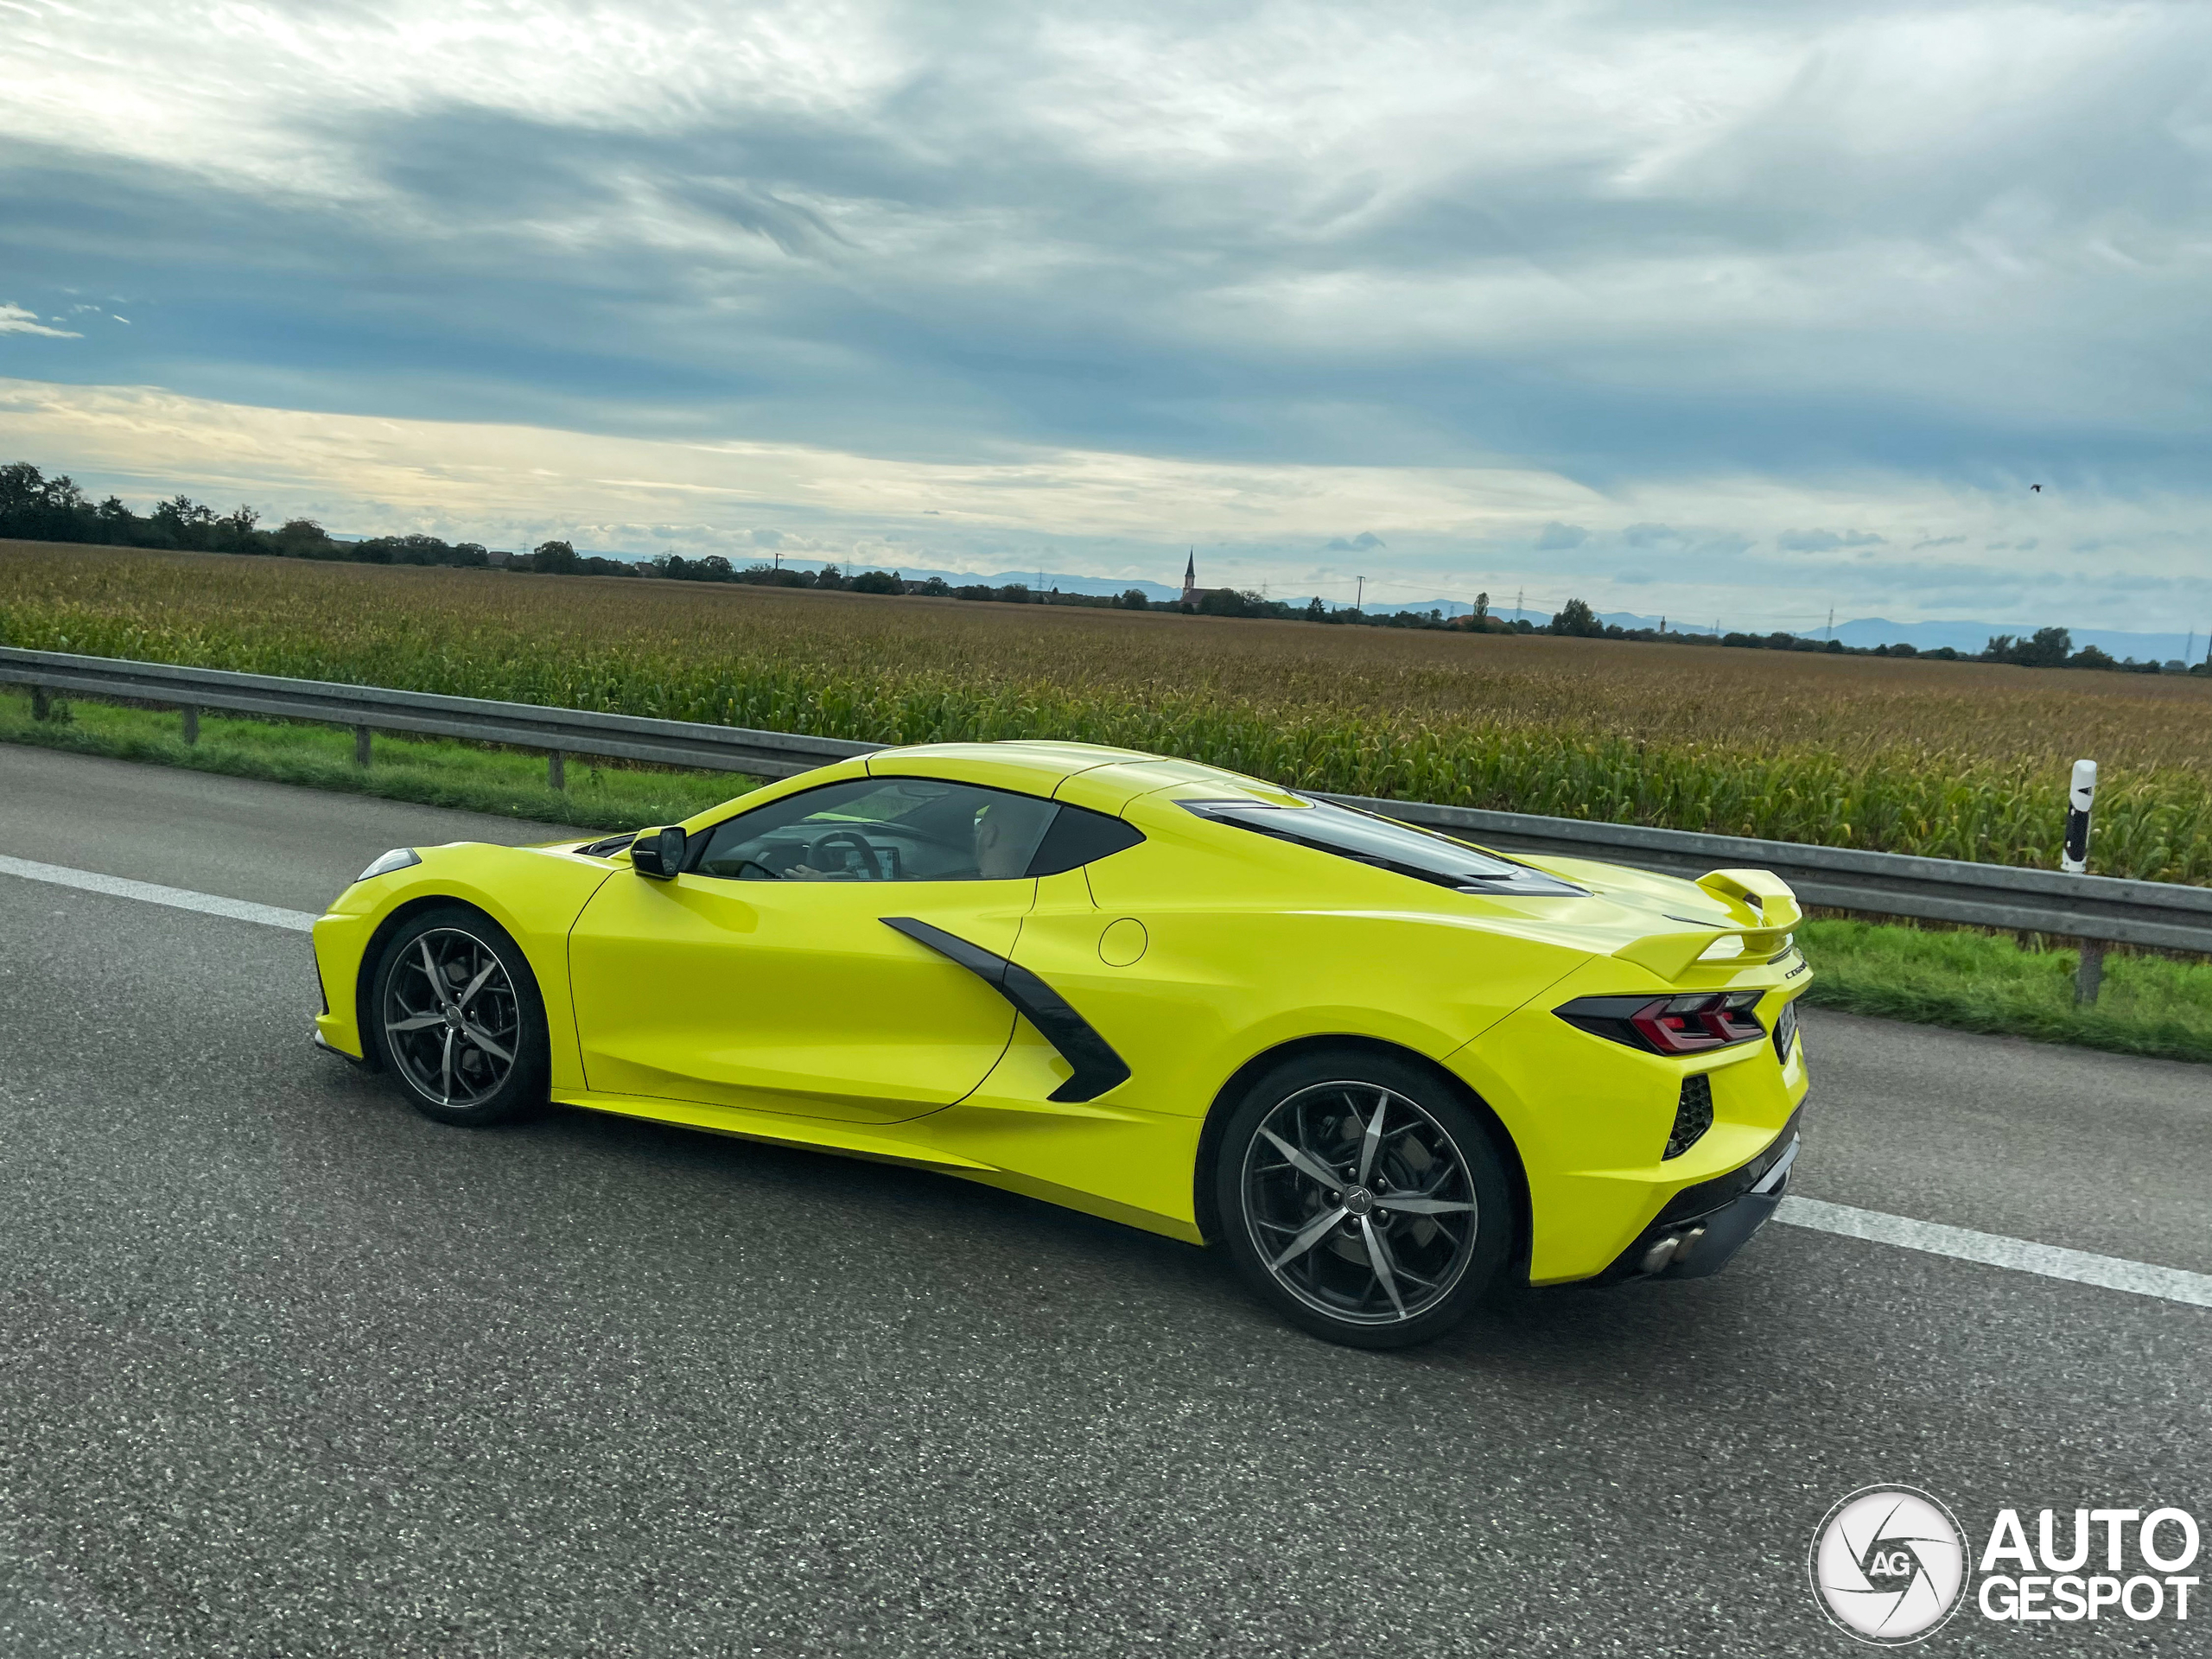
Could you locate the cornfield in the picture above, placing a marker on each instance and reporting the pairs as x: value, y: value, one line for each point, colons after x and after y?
x: 1947, y: 760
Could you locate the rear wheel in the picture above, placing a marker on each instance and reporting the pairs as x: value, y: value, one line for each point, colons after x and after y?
x: 1361, y: 1196
x: 456, y: 1010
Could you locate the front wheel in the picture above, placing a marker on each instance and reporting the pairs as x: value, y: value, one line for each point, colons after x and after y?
x: 456, y: 1010
x: 1361, y: 1196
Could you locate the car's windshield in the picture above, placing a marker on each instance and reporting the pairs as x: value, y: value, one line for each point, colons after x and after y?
x: 1384, y: 843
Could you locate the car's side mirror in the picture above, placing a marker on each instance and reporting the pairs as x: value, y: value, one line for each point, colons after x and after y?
x: 658, y: 853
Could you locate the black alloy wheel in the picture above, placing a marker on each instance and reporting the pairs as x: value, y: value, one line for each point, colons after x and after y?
x: 456, y: 1010
x: 1361, y: 1196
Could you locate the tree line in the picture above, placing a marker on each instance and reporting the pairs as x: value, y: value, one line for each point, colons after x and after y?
x: 34, y: 507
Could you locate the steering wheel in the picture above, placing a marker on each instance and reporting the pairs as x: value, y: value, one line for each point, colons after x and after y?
x: 851, y: 838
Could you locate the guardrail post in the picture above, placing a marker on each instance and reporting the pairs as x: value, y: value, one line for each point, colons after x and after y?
x: 361, y: 747
x: 557, y: 771
x: 191, y: 722
x: 2073, y: 859
x: 2089, y: 976
x: 41, y: 703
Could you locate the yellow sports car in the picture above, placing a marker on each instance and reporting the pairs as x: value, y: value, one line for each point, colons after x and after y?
x: 1385, y: 1069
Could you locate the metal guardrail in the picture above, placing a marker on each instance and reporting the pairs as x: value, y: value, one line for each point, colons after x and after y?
x: 374, y: 709
x: 2106, y: 909
x: 2165, y: 914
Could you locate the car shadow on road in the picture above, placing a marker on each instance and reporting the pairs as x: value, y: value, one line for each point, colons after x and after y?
x: 1570, y: 1327
x: 1039, y: 1273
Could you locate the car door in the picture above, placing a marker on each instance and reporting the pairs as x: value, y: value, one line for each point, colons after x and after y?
x: 766, y: 975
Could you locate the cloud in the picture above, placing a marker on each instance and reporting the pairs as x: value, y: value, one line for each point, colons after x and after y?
x: 1821, y: 233
x: 1651, y: 535
x: 1557, y: 538
x: 1937, y: 541
x: 1366, y: 541
x: 1823, y: 541
x: 1456, y: 532
x: 1472, y: 273
x: 15, y: 320
x: 482, y: 468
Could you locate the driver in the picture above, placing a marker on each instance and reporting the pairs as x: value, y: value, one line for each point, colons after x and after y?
x: 1007, y: 834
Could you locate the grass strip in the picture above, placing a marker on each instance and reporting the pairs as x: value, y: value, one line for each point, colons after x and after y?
x: 428, y: 771
x: 2150, y: 1005
x: 2153, y: 1006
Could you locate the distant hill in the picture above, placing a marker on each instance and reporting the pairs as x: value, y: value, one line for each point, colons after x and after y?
x: 1969, y: 637
x: 1861, y: 631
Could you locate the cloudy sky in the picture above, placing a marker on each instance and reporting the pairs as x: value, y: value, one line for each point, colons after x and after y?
x: 1738, y: 310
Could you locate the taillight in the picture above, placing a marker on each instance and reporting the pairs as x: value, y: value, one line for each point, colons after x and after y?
x: 1689, y: 1024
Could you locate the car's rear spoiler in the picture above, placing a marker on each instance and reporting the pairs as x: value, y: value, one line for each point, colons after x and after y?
x: 1671, y: 954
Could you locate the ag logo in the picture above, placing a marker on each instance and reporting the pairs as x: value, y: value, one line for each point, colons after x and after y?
x: 1888, y: 1564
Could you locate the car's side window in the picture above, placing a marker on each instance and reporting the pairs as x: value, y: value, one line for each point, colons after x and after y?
x: 1080, y: 836
x: 907, y: 830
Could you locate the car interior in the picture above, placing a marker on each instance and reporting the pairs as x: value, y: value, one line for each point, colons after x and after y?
x: 882, y: 830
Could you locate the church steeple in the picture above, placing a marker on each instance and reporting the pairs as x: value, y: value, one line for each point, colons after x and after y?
x: 1190, y: 578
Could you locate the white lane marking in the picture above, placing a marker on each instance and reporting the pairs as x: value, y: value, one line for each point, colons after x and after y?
x: 2111, y: 1271
x: 207, y: 903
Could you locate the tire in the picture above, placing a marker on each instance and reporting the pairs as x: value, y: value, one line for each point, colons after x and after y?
x: 473, y: 1051
x: 1332, y: 1254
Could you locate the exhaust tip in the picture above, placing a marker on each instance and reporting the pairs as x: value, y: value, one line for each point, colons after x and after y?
x: 1674, y: 1246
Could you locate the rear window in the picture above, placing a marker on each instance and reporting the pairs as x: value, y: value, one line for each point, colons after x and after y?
x: 1385, y: 844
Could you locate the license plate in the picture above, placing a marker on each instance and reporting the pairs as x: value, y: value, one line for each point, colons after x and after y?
x: 1785, y: 1031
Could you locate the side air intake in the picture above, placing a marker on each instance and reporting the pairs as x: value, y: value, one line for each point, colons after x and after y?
x: 1692, y: 1115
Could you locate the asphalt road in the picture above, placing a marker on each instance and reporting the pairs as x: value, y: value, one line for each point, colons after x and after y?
x: 287, y: 1369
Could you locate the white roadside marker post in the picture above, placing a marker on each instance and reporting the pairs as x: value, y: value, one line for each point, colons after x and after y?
x: 2073, y: 859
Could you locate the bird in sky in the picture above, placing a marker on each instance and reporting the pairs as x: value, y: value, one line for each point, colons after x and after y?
x: 2037, y: 488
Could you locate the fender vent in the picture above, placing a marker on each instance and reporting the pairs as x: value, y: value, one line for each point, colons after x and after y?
x: 1693, y: 1116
